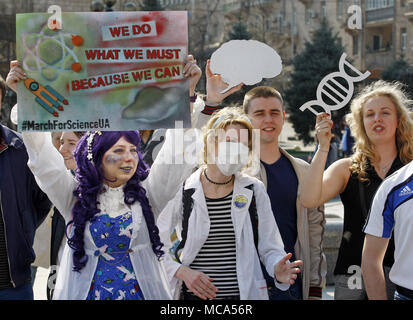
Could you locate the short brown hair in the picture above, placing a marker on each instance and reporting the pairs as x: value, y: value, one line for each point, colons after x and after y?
x: 261, y: 92
x: 3, y: 88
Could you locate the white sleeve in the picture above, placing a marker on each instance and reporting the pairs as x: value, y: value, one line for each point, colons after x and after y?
x: 174, y: 163
x: 270, y: 244
x: 176, y: 160
x: 198, y: 118
x: 170, y: 218
x: 380, y: 221
x: 50, y: 172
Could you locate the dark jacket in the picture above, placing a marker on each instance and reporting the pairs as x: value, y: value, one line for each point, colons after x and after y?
x: 24, y: 205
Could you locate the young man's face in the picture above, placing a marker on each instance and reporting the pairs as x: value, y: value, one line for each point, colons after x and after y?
x: 267, y: 115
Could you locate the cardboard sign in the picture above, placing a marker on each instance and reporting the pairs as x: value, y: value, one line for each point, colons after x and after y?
x: 103, y: 71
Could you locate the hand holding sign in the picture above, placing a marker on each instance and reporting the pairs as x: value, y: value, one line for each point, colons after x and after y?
x: 323, y: 130
x: 192, y: 72
x: 15, y: 75
x: 215, y: 87
x: 245, y: 61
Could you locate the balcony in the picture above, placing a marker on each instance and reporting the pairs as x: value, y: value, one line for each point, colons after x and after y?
x: 379, y: 59
x: 409, y: 11
x: 175, y: 3
x: 379, y: 16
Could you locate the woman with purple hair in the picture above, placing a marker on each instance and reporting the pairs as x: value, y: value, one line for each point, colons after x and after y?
x: 113, y: 247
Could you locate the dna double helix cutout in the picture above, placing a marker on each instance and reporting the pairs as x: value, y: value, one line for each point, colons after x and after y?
x: 330, y: 87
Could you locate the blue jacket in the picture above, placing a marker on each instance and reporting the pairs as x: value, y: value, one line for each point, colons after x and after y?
x: 24, y: 206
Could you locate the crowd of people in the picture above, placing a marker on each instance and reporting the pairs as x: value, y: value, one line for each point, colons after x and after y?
x: 249, y: 226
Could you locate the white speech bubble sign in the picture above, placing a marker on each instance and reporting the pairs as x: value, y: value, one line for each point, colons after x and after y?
x: 245, y: 61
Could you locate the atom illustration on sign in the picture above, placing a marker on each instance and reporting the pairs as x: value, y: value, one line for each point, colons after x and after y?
x: 50, y: 53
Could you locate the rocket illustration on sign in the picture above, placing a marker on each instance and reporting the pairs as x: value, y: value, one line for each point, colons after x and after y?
x: 46, y: 96
x: 329, y: 86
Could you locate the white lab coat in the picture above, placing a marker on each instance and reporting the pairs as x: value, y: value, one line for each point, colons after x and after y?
x: 52, y: 177
x: 251, y: 281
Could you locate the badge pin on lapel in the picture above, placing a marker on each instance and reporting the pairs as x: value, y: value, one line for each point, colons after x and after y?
x: 240, y: 201
x: 329, y: 86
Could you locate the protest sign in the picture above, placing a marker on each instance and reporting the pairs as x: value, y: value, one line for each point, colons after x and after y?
x: 102, y: 71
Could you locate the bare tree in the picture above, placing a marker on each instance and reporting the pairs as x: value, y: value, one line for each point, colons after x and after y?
x: 204, y: 15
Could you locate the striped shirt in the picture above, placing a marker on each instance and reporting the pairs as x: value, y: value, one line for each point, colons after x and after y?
x: 217, y: 257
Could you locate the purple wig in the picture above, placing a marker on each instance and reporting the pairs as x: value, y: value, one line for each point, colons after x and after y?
x: 90, y: 178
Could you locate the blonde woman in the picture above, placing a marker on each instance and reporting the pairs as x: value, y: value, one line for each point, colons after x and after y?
x: 213, y: 209
x: 383, y: 132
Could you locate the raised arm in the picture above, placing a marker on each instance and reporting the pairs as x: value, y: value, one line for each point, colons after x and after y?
x: 45, y: 162
x: 169, y: 219
x: 193, y: 73
x: 50, y: 172
x: 170, y: 168
x: 319, y: 186
x: 174, y: 163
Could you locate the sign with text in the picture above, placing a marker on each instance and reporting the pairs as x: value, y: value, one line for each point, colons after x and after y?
x: 103, y: 71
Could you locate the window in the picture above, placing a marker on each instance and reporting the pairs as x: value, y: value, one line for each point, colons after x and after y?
x: 307, y: 15
x: 257, y: 22
x: 355, y: 45
x: 339, y: 8
x: 323, y: 10
x: 403, y: 43
x: 267, y: 24
x: 376, y: 43
x: 379, y: 4
x: 280, y: 23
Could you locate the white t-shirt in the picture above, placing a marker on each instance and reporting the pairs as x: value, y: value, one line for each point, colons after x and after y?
x: 392, y: 208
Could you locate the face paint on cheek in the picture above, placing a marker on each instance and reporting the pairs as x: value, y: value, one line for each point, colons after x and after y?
x: 113, y: 158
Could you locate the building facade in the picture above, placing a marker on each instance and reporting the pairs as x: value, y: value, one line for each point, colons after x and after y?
x: 386, y: 32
